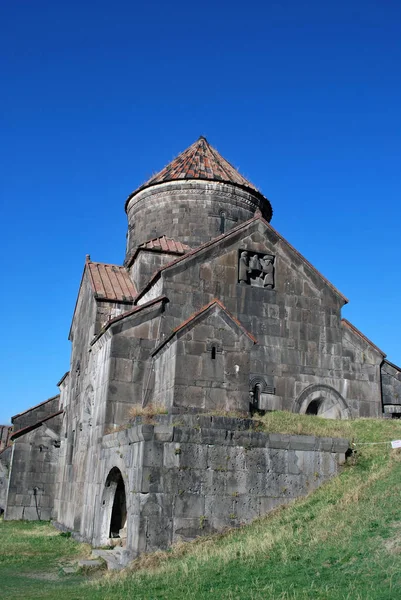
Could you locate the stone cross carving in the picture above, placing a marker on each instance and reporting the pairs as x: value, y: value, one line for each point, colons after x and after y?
x: 256, y: 269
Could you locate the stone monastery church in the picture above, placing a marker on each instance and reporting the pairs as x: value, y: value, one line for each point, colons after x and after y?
x: 212, y: 318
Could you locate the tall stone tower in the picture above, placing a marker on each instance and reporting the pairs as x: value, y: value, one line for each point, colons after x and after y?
x: 197, y: 197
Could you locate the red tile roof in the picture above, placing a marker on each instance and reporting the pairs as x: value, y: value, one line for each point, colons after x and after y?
x: 165, y: 244
x: 199, y: 161
x: 110, y: 282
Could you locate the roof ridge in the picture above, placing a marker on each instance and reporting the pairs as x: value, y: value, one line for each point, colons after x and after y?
x: 200, y: 161
x: 201, y: 311
x: 128, y: 313
x: 36, y: 406
x: 257, y: 217
x: 362, y: 335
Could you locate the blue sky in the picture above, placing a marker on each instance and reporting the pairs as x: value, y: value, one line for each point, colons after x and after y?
x: 303, y: 97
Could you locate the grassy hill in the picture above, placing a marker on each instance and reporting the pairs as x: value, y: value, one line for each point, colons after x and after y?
x: 342, y: 542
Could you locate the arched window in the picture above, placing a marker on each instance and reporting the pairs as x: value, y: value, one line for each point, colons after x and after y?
x: 213, y: 352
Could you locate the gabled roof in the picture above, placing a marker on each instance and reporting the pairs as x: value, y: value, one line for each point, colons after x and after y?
x: 200, y: 313
x: 225, y: 236
x: 159, y: 244
x: 110, y: 282
x: 199, y: 161
x: 29, y: 428
x: 34, y: 407
x: 165, y: 244
x: 362, y: 336
x: 137, y: 309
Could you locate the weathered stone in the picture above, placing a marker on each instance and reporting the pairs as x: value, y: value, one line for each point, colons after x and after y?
x: 238, y: 326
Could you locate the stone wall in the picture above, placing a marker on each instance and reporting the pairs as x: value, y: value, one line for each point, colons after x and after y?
x: 5, y: 461
x: 34, y: 478
x: 36, y: 414
x: 114, y: 379
x: 297, y: 324
x: 205, y: 365
x: 391, y: 389
x: 186, y: 476
x: 5, y: 432
x: 189, y: 211
x: 145, y: 264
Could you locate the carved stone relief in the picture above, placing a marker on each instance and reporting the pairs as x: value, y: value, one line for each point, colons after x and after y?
x: 256, y: 269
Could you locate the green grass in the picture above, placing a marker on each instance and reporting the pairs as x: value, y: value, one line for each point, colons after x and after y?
x: 343, y: 542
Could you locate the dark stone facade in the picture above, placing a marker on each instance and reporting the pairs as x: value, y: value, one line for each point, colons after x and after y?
x: 237, y: 322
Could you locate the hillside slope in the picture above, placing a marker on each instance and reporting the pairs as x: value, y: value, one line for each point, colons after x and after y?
x: 341, y: 542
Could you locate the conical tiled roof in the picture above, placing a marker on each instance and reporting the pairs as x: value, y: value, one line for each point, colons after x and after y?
x: 199, y: 161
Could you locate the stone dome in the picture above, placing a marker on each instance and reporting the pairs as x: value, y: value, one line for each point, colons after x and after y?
x: 195, y: 198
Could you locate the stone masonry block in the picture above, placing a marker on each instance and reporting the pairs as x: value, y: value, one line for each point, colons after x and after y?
x: 189, y: 505
x: 153, y: 454
x: 193, y: 456
x: 152, y: 480
x: 258, y: 460
x: 302, y: 442
x: 278, y: 440
x: 187, y: 529
x: 163, y: 433
x: 156, y: 505
x: 218, y: 510
x: 245, y: 508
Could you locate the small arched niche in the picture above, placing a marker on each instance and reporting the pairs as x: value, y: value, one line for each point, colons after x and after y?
x: 114, y: 508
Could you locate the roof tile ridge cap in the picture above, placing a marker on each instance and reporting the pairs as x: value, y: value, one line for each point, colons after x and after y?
x: 333, y: 287
x: 362, y: 335
x: 128, y: 313
x: 96, y: 262
x: 193, y: 251
x: 216, y: 156
x: 245, y: 180
x: 88, y: 264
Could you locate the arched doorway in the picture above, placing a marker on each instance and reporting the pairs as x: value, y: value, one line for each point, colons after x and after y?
x: 114, y: 508
x: 119, y: 511
x: 323, y: 401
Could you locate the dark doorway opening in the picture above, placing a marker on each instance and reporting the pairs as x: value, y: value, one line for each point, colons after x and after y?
x: 119, y: 511
x: 313, y: 407
x: 256, y: 395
